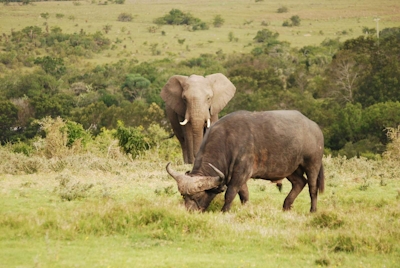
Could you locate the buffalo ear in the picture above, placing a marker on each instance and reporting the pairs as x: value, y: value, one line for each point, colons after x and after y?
x: 171, y: 93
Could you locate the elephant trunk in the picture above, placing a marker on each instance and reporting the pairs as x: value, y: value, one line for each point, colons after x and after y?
x: 198, y: 132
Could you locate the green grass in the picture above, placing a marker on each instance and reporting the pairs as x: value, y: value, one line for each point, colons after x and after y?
x: 133, y: 216
x: 133, y: 40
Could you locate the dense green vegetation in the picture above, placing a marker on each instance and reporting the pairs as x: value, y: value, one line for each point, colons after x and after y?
x: 351, y: 88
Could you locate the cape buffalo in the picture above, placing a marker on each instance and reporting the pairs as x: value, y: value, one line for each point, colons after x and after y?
x: 268, y: 145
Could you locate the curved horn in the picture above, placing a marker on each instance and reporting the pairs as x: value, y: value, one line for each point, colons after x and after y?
x: 177, y: 176
x: 219, y: 172
x: 208, y: 123
x: 184, y: 122
x: 189, y: 185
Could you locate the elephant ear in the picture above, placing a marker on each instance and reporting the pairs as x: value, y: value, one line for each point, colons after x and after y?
x: 223, y: 91
x: 171, y: 93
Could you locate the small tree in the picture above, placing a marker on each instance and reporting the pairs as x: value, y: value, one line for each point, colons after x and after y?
x: 45, y: 15
x: 295, y: 20
x: 132, y: 140
x: 125, y: 17
x: 134, y: 85
x: 107, y: 28
x: 282, y: 9
x: 218, y: 21
x: 265, y: 36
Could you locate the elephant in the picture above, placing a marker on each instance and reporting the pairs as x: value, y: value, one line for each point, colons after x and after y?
x: 192, y: 104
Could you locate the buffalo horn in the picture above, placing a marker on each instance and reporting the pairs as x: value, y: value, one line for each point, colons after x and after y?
x: 219, y: 172
x: 190, y: 185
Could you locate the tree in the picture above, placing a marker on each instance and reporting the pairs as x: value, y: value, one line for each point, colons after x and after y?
x: 218, y: 21
x: 266, y: 36
x: 125, y: 17
x: 52, y: 66
x: 344, y: 73
x: 8, y: 118
x: 133, y: 86
x: 295, y: 20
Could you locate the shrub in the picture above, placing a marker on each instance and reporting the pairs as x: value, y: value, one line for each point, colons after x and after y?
x: 177, y: 17
x: 69, y: 191
x: 393, y: 148
x: 286, y: 23
x: 265, y: 36
x: 218, y: 21
x: 125, y: 17
x: 295, y: 20
x: 131, y: 140
x: 282, y: 9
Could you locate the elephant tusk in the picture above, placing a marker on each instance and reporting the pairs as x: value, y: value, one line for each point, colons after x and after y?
x: 208, y: 123
x: 184, y: 122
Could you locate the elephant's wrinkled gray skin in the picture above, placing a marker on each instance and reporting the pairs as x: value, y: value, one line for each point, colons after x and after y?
x: 192, y: 105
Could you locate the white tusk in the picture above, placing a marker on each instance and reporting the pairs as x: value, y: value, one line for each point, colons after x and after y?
x: 208, y: 123
x: 184, y: 122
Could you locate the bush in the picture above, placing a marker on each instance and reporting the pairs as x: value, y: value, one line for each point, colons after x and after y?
x: 125, y: 17
x: 218, y: 21
x: 265, y: 36
x: 69, y: 191
x: 282, y: 9
x: 177, y: 17
x: 132, y: 140
x: 393, y: 148
x: 295, y: 20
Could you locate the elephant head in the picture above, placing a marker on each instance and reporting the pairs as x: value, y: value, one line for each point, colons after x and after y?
x: 192, y: 104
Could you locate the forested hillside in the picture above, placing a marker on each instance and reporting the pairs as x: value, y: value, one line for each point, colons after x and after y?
x: 350, y: 88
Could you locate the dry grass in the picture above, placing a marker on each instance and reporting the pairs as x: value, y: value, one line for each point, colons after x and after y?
x: 132, y: 206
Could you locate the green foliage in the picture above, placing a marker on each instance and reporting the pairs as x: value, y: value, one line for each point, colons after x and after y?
x: 22, y: 148
x: 125, y: 17
x: 295, y: 20
x: 283, y: 9
x: 53, y: 66
x: 177, y: 17
x: 45, y: 15
x: 75, y: 132
x: 266, y: 36
x: 132, y: 140
x: 8, y: 119
x: 218, y: 21
x: 134, y: 86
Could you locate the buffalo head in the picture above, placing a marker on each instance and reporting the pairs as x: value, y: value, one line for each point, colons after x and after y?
x: 198, y: 191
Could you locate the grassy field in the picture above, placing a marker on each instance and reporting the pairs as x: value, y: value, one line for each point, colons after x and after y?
x: 134, y: 40
x: 88, y: 211
x: 92, y: 209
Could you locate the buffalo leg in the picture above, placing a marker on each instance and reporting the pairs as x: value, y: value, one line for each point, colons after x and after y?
x: 230, y: 194
x: 298, y: 182
x: 313, y: 189
x: 244, y: 194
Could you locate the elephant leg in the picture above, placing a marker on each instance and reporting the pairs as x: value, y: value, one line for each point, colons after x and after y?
x: 179, y: 131
x: 298, y: 182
